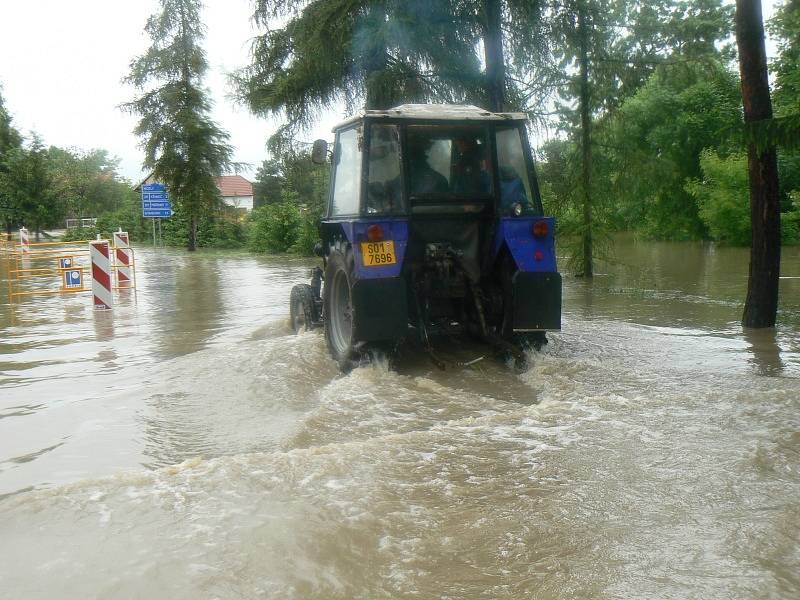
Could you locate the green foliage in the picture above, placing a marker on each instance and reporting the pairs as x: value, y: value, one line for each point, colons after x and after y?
x: 654, y: 142
x: 10, y: 142
x: 86, y: 183
x: 183, y: 146
x: 78, y: 234
x: 224, y: 229
x: 790, y: 220
x: 293, y: 192
x: 28, y: 186
x: 783, y: 129
x: 785, y: 26
x: 269, y: 183
x: 723, y: 197
x: 216, y: 228
x: 275, y: 227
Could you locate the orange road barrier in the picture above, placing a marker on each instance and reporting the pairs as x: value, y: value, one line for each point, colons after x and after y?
x: 57, y: 268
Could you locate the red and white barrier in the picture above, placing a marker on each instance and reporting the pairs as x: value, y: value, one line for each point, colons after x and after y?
x: 122, y: 258
x: 101, y: 274
x: 24, y: 240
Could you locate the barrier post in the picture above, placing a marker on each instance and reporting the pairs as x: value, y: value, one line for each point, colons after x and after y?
x: 101, y: 274
x: 24, y: 240
x: 122, y: 257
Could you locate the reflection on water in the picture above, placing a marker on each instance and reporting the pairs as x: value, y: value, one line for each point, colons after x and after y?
x: 189, y: 302
x: 766, y: 353
x: 186, y: 445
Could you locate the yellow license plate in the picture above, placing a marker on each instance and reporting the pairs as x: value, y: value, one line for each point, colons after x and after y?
x: 378, y: 254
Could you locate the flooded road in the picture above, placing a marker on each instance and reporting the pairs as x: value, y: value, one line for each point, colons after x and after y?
x: 186, y: 445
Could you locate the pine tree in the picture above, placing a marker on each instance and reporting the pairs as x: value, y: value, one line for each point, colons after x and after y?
x: 378, y: 54
x: 185, y: 149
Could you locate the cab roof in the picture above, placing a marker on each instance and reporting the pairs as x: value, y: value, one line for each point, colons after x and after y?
x: 434, y: 112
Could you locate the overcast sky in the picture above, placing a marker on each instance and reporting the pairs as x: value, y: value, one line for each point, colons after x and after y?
x: 61, y: 62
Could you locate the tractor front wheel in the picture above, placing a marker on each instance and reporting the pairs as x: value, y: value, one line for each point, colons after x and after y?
x: 302, y: 310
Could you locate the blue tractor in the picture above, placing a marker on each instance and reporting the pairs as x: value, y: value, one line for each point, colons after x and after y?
x: 434, y: 224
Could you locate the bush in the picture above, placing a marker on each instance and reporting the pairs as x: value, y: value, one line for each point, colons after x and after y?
x: 790, y: 221
x: 307, y: 233
x: 81, y: 233
x: 285, y: 226
x: 274, y: 227
x: 723, y: 197
x: 724, y: 200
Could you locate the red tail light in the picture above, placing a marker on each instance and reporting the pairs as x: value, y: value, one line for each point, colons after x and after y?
x: 540, y: 229
x: 375, y: 233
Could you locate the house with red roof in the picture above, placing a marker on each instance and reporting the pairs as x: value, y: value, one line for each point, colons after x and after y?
x: 236, y: 191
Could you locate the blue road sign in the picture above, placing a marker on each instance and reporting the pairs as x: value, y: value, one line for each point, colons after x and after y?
x: 66, y: 263
x: 72, y: 279
x: 155, y: 201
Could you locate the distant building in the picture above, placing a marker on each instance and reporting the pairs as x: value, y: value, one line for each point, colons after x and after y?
x: 235, y: 190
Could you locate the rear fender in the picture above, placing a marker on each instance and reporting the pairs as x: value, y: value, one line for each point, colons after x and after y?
x: 531, y: 254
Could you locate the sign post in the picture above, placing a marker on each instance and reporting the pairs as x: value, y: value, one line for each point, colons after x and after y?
x: 155, y: 203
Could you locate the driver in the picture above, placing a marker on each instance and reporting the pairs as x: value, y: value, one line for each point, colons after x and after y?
x: 424, y: 178
x: 512, y: 189
x: 469, y: 170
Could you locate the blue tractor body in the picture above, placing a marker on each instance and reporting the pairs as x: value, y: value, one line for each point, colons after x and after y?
x: 434, y: 223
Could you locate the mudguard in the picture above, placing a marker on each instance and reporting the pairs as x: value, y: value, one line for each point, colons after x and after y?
x: 381, y: 309
x: 537, y: 301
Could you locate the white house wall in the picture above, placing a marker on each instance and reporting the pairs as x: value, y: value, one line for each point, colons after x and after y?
x: 245, y: 202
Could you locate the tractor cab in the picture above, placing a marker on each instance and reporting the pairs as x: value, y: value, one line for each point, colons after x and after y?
x: 434, y: 222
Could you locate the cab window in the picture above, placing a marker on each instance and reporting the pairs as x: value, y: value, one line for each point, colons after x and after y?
x: 448, y: 161
x: 347, y: 173
x: 515, y: 185
x: 384, y: 184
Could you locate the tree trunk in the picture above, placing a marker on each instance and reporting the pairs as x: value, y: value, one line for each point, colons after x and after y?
x: 380, y: 93
x: 586, y: 142
x: 192, y: 246
x: 761, y: 306
x: 493, y: 54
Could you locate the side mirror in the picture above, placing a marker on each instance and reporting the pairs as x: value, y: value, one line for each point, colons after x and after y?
x: 319, y: 153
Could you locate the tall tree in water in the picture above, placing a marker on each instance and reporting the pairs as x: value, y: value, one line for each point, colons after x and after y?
x: 185, y: 149
x: 586, y: 137
x: 602, y: 52
x: 761, y: 305
x: 581, y: 33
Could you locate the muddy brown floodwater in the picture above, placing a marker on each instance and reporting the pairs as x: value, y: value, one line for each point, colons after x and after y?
x: 188, y: 446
